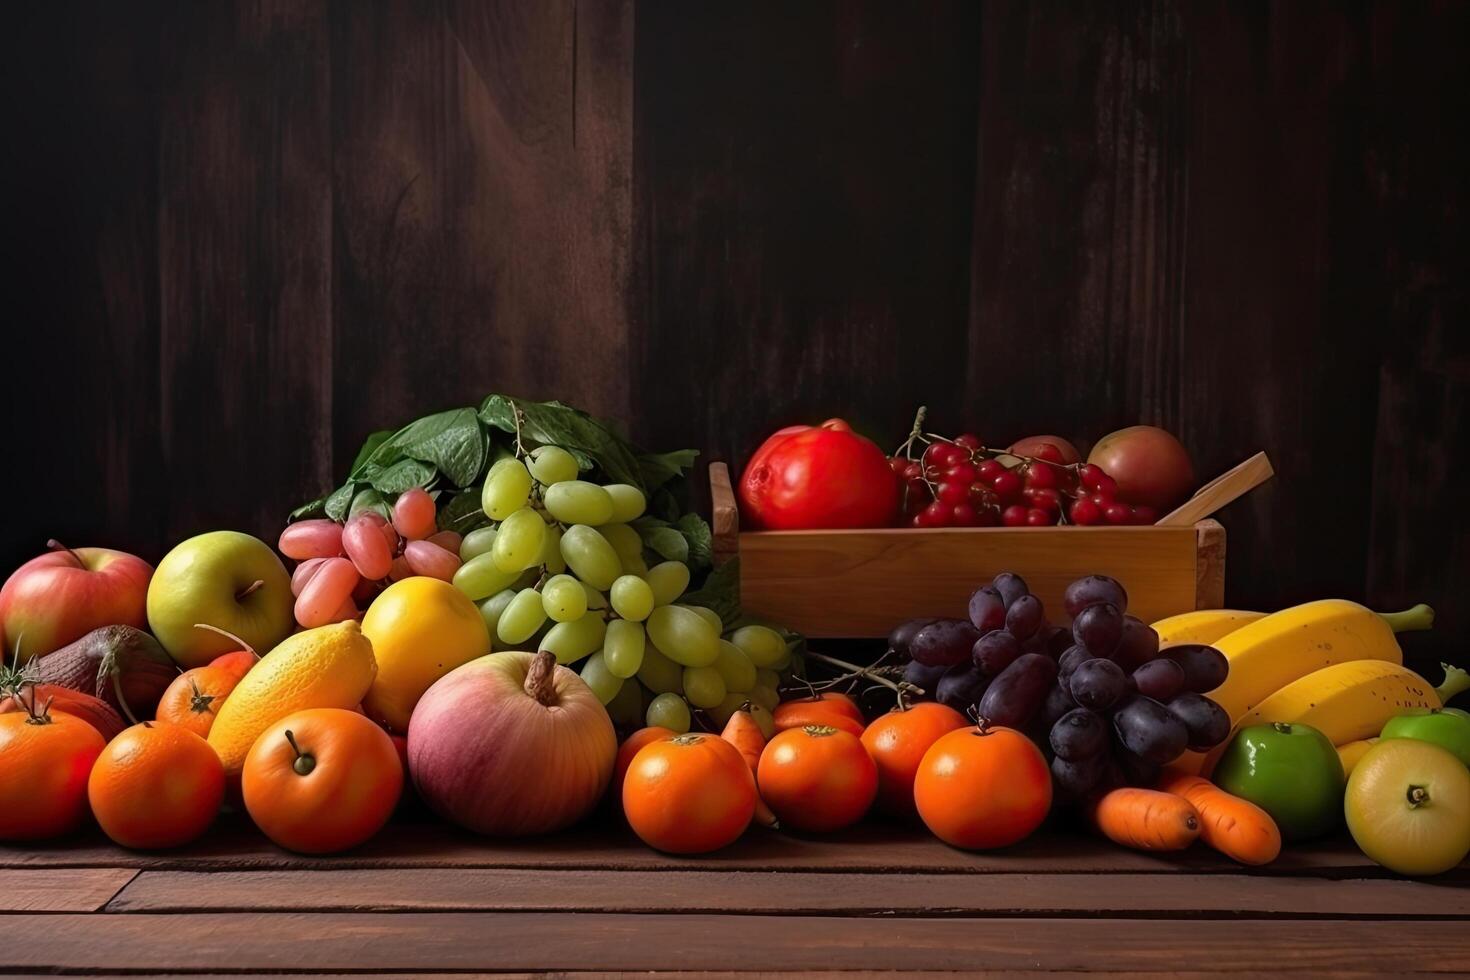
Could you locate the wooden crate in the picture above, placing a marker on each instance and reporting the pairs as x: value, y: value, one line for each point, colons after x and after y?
x: 861, y: 583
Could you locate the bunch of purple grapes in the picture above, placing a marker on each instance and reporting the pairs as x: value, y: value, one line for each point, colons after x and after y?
x: 1106, y: 705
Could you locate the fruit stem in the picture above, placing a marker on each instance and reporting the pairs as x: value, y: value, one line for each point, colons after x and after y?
x: 1456, y: 680
x: 121, y: 700
x: 200, y: 702
x: 249, y: 590
x: 1283, y: 727
x: 304, y: 763
x: 540, y: 678
x: 42, y: 717
x: 53, y: 545
x: 231, y: 636
x: 867, y: 672
x: 1418, y: 796
x: 1420, y: 617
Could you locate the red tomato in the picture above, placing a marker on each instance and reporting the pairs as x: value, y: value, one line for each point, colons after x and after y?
x: 818, y: 477
x: 982, y: 789
x: 897, y: 742
x: 817, y: 778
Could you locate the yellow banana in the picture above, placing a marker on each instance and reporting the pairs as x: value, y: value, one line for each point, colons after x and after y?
x: 1203, y: 625
x: 1352, y: 753
x: 1276, y: 650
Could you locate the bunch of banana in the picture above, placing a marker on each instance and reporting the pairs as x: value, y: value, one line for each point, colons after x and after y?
x: 1331, y: 664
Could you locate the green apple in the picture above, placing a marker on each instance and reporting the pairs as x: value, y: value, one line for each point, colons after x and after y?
x: 224, y: 579
x: 1449, y: 729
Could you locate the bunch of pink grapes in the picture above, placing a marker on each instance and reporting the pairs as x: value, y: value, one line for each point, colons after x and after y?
x: 343, y: 566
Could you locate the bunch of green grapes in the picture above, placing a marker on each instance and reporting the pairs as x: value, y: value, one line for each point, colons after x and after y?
x: 561, y: 568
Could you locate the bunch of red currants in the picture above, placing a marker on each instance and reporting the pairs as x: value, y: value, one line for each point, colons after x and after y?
x: 961, y: 483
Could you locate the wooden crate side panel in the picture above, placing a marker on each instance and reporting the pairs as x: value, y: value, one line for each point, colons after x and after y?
x: 862, y: 583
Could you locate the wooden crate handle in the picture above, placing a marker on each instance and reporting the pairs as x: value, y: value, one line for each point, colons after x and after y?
x: 1234, y: 482
x: 726, y: 524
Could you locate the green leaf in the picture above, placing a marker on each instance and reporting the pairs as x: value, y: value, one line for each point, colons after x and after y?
x: 451, y: 440
x: 402, y: 475
x: 341, y: 498
x: 664, y: 505
x: 720, y: 592
x: 663, y: 539
x: 316, y: 508
x: 663, y: 467
x: 555, y: 424
x: 463, y: 512
x: 372, y: 500
x: 369, y: 447
x: 701, y: 541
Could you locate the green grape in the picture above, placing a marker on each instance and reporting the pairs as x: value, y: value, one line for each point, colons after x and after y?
x: 521, y: 618
x: 480, y: 577
x: 658, y: 673
x: 635, y: 565
x: 623, y: 647
x: 573, y: 641
x: 552, y: 464
x: 764, y: 696
x: 783, y: 662
x: 624, y: 540
x: 626, y: 707
x: 708, y: 615
x: 627, y: 500
x: 588, y: 554
x: 703, y: 686
x: 668, y: 580
x: 631, y: 598
x: 564, y: 598
x: 492, y: 607
x: 518, y: 542
x: 478, y: 542
x: 599, y: 679
x: 578, y: 502
x: 550, y: 557
x: 763, y: 645
x: 765, y: 677
x: 735, y: 667
x: 595, y: 599
x: 684, y: 636
x: 668, y: 711
x: 507, y: 488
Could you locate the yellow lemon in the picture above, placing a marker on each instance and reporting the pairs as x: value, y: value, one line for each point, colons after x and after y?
x: 421, y: 629
x: 327, y: 667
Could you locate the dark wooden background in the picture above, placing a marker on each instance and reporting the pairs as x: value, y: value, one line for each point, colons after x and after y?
x: 241, y: 235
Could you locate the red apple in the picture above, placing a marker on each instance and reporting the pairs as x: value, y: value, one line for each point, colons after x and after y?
x: 1029, y: 445
x: 67, y: 593
x: 1150, y: 465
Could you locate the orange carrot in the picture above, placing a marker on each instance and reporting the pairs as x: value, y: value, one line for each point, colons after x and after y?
x: 742, y: 732
x: 1145, y: 819
x: 1236, y: 828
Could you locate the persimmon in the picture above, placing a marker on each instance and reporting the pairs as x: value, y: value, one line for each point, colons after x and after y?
x: 897, y: 742
x: 688, y: 794
x: 980, y: 788
x: 629, y: 749
x: 44, y: 761
x: 817, y: 778
x: 156, y: 785
x: 827, y: 705
x: 193, y: 699
x: 322, y: 780
x: 238, y: 663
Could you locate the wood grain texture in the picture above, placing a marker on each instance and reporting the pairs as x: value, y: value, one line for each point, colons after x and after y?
x: 1092, y: 895
x: 1209, y: 573
x: 861, y: 583
x: 61, y: 890
x: 558, y: 941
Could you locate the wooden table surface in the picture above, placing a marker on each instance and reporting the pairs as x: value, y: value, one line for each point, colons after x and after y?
x: 425, y: 898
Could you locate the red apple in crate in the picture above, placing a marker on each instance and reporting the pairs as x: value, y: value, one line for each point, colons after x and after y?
x: 1149, y: 465
x: 824, y: 476
x: 67, y: 593
x: 1031, y: 445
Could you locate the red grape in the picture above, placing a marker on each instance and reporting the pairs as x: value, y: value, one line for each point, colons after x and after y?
x: 1118, y: 513
x: 1007, y: 485
x: 952, y: 492
x: 934, y: 515
x: 936, y: 454
x: 989, y: 470
x: 1036, y: 517
x: 413, y: 514
x: 1043, y: 498
x: 1085, y: 512
x: 1091, y: 476
x: 898, y: 464
x: 1014, y: 516
x: 963, y: 473
x: 964, y: 515
x: 1040, y: 475
x: 913, y: 471
x: 969, y: 440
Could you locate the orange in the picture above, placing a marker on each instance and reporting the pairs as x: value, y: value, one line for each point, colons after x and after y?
x: 44, y: 762
x: 156, y: 785
x: 983, y: 788
x: 818, y: 777
x: 193, y: 699
x: 897, y: 742
x: 322, y: 780
x: 688, y: 794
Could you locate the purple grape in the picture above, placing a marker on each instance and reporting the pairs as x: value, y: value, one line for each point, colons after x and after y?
x: 1073, y: 779
x: 1058, y: 640
x: 1018, y: 691
x: 1079, y: 734
x: 1098, y: 628
x: 1162, y: 680
x: 1137, y: 645
x: 987, y: 609
x: 1010, y: 586
x: 960, y: 688
x: 923, y: 676
x: 1093, y: 589
x: 1147, y: 728
x: 1207, y: 723
x: 1137, y: 771
x: 1025, y: 617
x: 1074, y: 657
x: 945, y: 642
x: 1205, y: 668
x: 994, y: 652
x: 903, y: 634
x: 1098, y: 684
x: 1058, y: 702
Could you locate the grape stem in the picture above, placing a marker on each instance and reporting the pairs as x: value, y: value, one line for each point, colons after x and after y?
x: 871, y: 673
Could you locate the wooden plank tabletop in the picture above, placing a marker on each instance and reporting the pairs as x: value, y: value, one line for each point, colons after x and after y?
x: 424, y: 898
